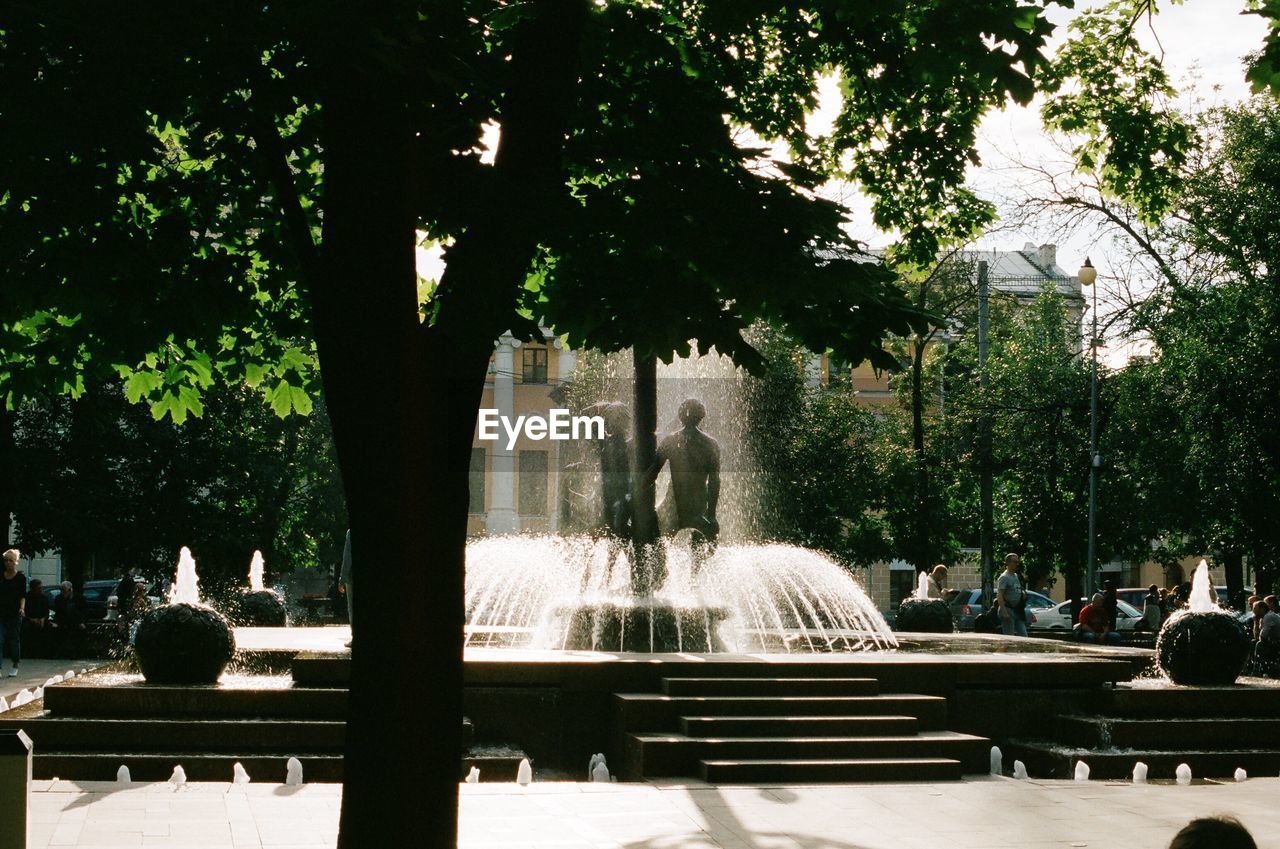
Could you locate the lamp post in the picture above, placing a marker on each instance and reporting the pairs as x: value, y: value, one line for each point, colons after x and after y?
x: 986, y: 522
x: 1088, y: 275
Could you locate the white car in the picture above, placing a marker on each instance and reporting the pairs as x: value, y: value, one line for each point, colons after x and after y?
x: 1128, y: 617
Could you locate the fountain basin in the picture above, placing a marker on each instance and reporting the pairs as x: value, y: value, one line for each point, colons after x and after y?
x: 261, y: 609
x: 1203, y: 649
x: 925, y: 615
x: 647, y: 625
x: 183, y: 643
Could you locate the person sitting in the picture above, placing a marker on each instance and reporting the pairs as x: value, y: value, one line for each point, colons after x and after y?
x: 1095, y: 625
x: 938, y: 581
x: 37, y: 605
x: 1213, y: 833
x: 35, y: 626
x: 1266, y: 649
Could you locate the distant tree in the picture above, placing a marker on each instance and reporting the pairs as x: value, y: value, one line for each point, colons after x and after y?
x: 109, y: 486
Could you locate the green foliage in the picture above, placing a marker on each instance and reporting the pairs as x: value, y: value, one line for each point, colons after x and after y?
x: 156, y: 227
x: 820, y: 470
x: 1112, y: 98
x: 1038, y: 402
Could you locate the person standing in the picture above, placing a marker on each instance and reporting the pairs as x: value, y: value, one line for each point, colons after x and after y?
x: 346, y: 578
x: 1110, y: 603
x: 124, y: 589
x: 13, y: 602
x: 1011, y: 598
x: 1153, y: 609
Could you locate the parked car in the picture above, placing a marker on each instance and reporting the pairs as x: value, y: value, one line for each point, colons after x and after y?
x: 967, y: 604
x: 157, y: 593
x: 1128, y: 617
x: 1136, y: 596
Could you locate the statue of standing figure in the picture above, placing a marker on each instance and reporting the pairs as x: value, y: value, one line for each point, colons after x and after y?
x: 695, y: 478
x: 613, y: 520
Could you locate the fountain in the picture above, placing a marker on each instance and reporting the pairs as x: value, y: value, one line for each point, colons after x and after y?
x: 1202, y: 645
x: 184, y: 642
x: 918, y: 612
x: 623, y: 573
x: 573, y: 593
x: 259, y: 606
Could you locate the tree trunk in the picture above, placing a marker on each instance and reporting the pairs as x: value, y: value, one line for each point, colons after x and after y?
x: 402, y: 398
x: 1233, y: 566
x: 8, y: 472
x: 646, y: 567
x: 395, y: 417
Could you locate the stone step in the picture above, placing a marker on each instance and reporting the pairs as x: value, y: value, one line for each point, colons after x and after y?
x: 829, y: 770
x: 1171, y: 702
x: 158, y: 766
x: 663, y: 755
x: 797, y: 726
x: 76, y: 699
x: 315, y: 669
x: 1049, y: 760
x: 52, y: 733
x: 1157, y: 734
x: 650, y: 711
x: 770, y: 686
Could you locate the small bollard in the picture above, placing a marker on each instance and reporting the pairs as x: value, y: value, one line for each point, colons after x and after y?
x: 15, y: 788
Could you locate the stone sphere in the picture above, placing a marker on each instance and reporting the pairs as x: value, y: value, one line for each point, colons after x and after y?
x: 262, y: 609
x: 183, y: 644
x: 932, y: 616
x: 1203, y: 649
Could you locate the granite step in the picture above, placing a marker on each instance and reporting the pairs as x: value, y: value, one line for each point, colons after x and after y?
x: 650, y: 711
x: 158, y: 766
x: 49, y: 732
x: 797, y: 726
x: 663, y: 755
x: 752, y: 771
x: 1192, y: 702
x: 1048, y: 760
x: 770, y: 686
x: 76, y: 699
x: 1156, y: 734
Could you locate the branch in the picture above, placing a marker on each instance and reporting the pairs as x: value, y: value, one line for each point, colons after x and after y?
x: 275, y: 160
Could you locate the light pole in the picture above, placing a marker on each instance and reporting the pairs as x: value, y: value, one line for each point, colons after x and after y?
x: 1088, y: 275
x: 986, y: 523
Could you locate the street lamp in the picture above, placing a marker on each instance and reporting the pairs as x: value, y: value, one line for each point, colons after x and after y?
x: 1088, y: 275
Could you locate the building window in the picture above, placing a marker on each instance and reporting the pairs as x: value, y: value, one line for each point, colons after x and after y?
x: 535, y: 365
x: 475, y: 481
x: 533, y: 483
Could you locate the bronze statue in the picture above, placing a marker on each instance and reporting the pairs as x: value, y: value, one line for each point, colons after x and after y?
x: 695, y: 476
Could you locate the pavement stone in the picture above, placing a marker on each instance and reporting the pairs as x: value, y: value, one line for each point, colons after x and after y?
x: 981, y: 813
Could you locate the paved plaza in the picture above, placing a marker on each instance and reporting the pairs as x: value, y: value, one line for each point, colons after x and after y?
x: 985, y: 813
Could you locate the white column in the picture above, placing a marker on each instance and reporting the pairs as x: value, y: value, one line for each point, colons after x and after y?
x: 501, y: 516
x: 566, y: 364
x: 813, y: 371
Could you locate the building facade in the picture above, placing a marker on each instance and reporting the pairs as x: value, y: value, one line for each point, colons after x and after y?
x: 515, y: 489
